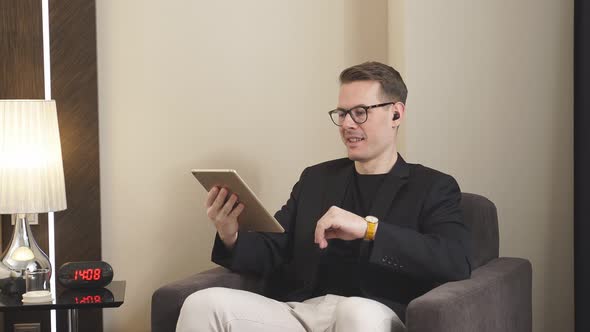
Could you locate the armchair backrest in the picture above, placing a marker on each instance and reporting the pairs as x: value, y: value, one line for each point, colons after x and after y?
x: 480, y: 214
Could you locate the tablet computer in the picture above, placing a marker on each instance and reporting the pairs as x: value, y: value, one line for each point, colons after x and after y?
x: 254, y: 217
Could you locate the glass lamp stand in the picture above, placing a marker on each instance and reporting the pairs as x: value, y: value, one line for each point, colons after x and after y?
x: 23, y: 253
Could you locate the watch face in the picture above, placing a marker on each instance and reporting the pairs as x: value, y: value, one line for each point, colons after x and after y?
x: 89, y: 274
x: 371, y: 219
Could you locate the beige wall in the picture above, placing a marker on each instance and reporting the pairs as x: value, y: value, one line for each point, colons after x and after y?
x: 246, y: 85
x: 491, y: 101
x: 204, y: 84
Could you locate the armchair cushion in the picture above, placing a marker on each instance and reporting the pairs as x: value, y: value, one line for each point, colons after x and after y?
x: 480, y: 214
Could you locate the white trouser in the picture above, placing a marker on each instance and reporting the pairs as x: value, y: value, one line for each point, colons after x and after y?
x: 224, y: 309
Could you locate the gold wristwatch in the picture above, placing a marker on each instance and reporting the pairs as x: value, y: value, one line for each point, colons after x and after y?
x: 371, y: 227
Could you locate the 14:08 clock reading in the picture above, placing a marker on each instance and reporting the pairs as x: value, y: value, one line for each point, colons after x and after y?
x: 88, y: 274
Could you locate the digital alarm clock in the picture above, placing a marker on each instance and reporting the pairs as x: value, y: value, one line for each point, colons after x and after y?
x: 90, y: 274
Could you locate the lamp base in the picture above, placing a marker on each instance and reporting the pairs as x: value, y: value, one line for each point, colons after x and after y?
x: 22, y: 254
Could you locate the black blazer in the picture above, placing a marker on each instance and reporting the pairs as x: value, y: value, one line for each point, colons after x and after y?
x: 421, y: 240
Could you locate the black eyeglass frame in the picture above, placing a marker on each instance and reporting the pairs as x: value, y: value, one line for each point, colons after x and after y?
x: 366, y: 108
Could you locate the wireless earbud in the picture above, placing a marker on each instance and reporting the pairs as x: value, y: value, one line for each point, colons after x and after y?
x: 396, y: 116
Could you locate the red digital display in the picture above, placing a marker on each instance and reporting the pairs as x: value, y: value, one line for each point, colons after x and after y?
x: 88, y: 299
x: 88, y: 274
x: 91, y: 274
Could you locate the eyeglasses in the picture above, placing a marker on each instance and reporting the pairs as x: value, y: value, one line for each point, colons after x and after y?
x: 358, y: 114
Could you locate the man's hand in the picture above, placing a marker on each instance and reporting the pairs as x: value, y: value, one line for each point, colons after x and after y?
x: 337, y: 223
x: 224, y: 215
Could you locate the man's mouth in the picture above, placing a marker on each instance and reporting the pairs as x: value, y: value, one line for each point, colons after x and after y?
x: 354, y: 139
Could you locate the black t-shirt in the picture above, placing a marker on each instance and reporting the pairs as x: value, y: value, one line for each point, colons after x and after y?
x: 340, y: 263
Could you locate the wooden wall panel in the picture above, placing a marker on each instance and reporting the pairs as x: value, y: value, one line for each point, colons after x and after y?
x: 581, y: 165
x: 74, y: 87
x: 21, y: 50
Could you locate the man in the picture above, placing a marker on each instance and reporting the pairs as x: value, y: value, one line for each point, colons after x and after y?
x: 364, y: 235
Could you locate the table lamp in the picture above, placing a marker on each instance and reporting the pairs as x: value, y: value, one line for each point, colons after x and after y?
x: 31, y: 178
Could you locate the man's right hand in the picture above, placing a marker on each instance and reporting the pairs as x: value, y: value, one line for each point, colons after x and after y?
x: 224, y: 215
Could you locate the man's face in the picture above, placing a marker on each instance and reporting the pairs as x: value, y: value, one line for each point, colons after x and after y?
x: 374, y: 139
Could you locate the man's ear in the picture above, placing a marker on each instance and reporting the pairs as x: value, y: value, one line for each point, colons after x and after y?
x: 399, y: 110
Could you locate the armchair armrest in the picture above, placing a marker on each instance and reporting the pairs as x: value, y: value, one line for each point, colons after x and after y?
x: 168, y: 299
x: 497, y: 297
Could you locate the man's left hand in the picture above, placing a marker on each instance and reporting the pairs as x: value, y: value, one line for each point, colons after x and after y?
x: 337, y: 223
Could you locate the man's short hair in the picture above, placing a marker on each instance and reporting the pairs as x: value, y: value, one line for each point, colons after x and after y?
x: 392, y: 84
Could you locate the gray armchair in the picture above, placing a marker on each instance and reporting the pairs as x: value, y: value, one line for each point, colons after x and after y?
x: 497, y: 297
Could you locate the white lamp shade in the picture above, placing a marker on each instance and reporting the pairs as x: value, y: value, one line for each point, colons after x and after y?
x: 31, y: 166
